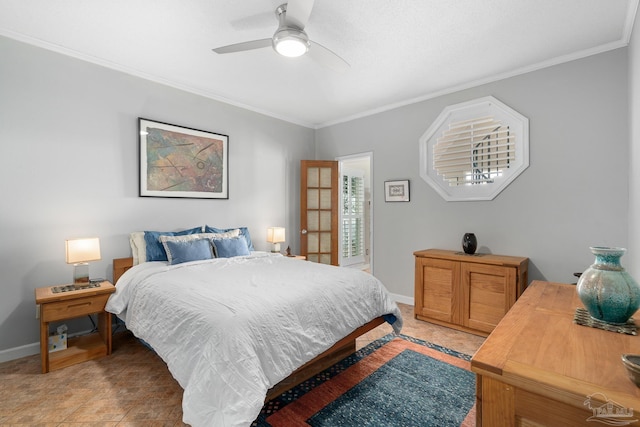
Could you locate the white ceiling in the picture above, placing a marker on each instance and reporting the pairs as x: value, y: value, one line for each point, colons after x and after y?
x: 400, y: 51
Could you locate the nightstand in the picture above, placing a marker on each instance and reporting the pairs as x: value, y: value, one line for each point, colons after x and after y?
x: 56, y: 304
x: 296, y: 256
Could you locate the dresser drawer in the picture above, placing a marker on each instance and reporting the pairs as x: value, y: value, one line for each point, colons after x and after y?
x: 73, y: 308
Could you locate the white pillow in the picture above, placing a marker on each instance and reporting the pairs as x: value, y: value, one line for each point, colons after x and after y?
x: 138, y: 247
x: 188, y: 237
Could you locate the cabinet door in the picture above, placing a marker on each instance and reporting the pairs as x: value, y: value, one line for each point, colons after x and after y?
x: 437, y: 289
x: 489, y: 292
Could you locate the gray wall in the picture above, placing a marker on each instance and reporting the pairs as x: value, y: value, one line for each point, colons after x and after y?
x: 573, y: 195
x: 632, y: 262
x: 68, y: 132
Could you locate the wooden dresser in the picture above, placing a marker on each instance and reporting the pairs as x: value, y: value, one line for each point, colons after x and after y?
x: 538, y: 368
x: 467, y: 292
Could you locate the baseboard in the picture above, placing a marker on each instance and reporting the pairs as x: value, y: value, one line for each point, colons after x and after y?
x: 28, y: 349
x: 403, y: 299
x: 19, y: 352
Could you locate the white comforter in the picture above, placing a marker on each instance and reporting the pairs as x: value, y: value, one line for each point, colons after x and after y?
x: 231, y: 328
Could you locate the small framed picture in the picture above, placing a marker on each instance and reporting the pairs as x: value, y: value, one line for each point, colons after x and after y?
x: 396, y: 191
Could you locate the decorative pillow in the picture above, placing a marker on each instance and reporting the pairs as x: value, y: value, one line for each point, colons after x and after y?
x: 155, y: 250
x: 187, y: 250
x: 185, y: 238
x: 244, y: 232
x: 138, y: 247
x: 227, y: 248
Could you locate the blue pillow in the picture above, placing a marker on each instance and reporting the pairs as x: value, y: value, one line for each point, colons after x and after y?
x: 244, y: 231
x: 227, y: 248
x: 155, y: 250
x: 190, y: 250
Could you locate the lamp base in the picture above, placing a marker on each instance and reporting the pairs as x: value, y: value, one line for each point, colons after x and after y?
x: 275, y: 248
x: 80, y: 275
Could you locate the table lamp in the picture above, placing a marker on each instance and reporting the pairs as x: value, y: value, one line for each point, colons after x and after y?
x: 79, y: 252
x: 275, y: 235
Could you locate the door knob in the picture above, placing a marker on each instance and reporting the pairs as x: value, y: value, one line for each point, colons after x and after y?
x: 303, y: 231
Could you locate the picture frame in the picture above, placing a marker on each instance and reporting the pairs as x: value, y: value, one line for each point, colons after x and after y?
x: 177, y: 161
x: 396, y: 191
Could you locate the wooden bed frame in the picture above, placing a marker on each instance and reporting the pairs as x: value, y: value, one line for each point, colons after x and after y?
x: 339, y: 351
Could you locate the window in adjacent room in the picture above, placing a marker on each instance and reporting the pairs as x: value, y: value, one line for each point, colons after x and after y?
x: 474, y: 150
x: 353, y: 217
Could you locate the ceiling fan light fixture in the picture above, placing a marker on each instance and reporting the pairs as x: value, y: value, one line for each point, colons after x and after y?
x: 291, y: 42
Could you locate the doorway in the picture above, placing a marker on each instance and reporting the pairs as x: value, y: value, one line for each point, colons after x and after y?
x: 356, y: 215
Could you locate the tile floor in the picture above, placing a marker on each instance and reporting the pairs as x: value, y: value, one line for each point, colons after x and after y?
x: 133, y: 387
x: 446, y: 337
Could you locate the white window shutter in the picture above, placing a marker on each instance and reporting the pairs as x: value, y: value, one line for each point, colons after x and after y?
x: 353, y: 218
x: 474, y: 150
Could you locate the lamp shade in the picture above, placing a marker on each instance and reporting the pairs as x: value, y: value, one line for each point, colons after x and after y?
x: 82, y: 250
x: 275, y: 234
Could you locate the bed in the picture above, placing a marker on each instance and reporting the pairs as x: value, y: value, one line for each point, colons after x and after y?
x: 237, y: 330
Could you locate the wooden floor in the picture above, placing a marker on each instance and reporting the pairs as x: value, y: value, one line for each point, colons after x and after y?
x: 133, y: 387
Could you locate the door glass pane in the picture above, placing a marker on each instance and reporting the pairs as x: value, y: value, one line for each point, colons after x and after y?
x: 325, y: 220
x: 325, y: 199
x: 313, y: 177
x: 325, y: 178
x: 313, y: 199
x: 313, y: 244
x: 325, y: 259
x: 313, y: 221
x: 312, y: 257
x: 325, y: 242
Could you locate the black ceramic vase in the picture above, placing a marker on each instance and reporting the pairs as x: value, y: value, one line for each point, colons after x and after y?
x: 469, y: 243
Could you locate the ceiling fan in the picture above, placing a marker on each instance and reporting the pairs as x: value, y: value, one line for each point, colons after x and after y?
x: 290, y: 39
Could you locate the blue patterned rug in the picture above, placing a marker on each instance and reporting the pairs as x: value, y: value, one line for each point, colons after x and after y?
x: 394, y: 381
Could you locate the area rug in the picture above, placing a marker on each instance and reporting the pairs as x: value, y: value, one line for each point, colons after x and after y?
x: 394, y: 381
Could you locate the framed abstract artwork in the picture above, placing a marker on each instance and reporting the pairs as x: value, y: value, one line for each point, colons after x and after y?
x: 396, y: 191
x: 176, y: 161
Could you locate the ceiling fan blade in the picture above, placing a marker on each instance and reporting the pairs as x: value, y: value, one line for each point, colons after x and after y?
x: 252, y: 22
x: 298, y: 12
x: 327, y: 58
x: 240, y: 47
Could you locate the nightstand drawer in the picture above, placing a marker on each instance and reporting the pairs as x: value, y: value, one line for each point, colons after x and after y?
x: 73, y: 308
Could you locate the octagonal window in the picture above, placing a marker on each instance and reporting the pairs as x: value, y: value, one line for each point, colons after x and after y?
x: 474, y: 150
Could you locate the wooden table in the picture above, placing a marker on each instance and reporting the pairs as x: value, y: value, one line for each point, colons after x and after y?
x: 538, y: 368
x: 67, y: 305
